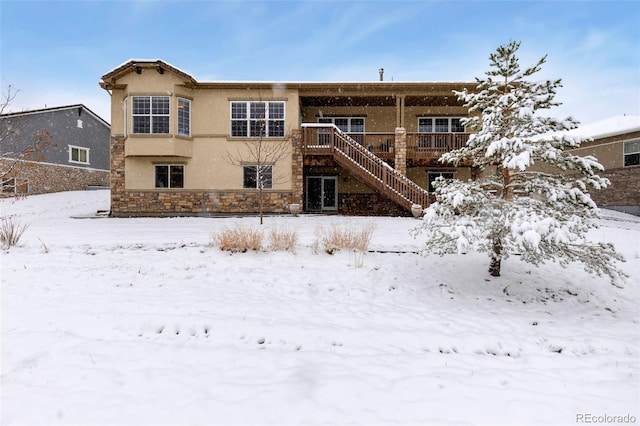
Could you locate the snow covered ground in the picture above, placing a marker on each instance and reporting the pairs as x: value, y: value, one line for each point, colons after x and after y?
x: 141, y: 322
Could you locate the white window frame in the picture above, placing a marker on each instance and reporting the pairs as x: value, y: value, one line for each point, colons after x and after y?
x: 169, y: 166
x: 14, y: 185
x: 632, y: 150
x: 270, y: 123
x: 268, y: 183
x: 433, y: 124
x: 332, y: 120
x: 182, y: 103
x: 78, y: 148
x: 151, y: 115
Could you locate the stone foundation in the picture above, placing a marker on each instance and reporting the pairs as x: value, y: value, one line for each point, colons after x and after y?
x: 372, y: 204
x: 45, y: 177
x: 154, y: 203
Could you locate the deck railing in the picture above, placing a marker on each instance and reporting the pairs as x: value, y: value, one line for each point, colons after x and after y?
x: 433, y: 145
x: 327, y: 139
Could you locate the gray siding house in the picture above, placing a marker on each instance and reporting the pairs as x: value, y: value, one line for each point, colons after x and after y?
x: 71, y: 150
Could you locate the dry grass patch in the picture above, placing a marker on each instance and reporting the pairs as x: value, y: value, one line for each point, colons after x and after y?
x: 282, y: 239
x: 238, y: 240
x: 346, y: 238
x: 11, y: 231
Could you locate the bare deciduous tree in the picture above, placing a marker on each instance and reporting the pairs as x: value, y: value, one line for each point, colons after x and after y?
x: 261, y: 155
x: 13, y: 155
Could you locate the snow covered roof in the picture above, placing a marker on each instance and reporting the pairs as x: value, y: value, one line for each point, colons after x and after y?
x: 52, y: 109
x: 109, y: 79
x: 612, y: 126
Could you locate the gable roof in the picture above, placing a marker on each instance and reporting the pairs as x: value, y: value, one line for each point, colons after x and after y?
x: 108, y: 81
x: 53, y: 109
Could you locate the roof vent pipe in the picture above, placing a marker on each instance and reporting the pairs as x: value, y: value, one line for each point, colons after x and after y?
x: 381, y: 71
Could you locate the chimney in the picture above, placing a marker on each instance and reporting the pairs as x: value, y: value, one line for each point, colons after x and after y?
x: 381, y: 71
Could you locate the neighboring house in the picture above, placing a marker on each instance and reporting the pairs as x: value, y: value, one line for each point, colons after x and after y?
x: 353, y: 148
x: 616, y: 145
x: 72, y: 150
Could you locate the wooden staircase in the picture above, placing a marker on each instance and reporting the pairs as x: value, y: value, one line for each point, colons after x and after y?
x: 327, y: 139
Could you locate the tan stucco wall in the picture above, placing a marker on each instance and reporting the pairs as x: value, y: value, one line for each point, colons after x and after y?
x: 210, y: 155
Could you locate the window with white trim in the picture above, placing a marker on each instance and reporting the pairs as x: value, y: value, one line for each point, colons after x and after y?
x: 150, y: 114
x: 632, y: 153
x: 432, y: 176
x: 254, y: 176
x: 14, y: 186
x: 78, y: 155
x: 257, y: 118
x: 184, y: 117
x: 169, y: 176
x: 346, y: 124
x: 440, y: 125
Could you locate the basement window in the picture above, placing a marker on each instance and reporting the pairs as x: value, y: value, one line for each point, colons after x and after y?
x: 432, y: 176
x: 14, y: 186
x: 169, y: 176
x: 632, y: 153
x: 257, y: 177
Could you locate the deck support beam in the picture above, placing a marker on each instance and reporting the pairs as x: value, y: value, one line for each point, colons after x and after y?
x: 400, y: 150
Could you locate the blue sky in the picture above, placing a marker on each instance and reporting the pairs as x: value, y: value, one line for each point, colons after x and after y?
x: 55, y: 52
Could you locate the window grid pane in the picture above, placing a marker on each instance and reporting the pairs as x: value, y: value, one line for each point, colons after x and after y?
x: 631, y: 147
x: 150, y: 114
x: 425, y: 125
x: 257, y: 119
x: 184, y: 117
x: 169, y: 176
x: 456, y: 126
x: 250, y: 180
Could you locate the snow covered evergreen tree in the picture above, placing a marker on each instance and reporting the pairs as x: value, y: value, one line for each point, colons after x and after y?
x: 542, y: 213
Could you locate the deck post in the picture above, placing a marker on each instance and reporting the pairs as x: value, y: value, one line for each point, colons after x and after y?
x: 400, y: 150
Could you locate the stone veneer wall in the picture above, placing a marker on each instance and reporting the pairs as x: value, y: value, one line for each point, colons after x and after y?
x: 201, y: 202
x: 624, y: 189
x: 372, y: 204
x: 155, y: 203
x: 45, y: 177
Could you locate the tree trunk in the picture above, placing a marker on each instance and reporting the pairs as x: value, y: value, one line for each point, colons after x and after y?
x: 496, y: 258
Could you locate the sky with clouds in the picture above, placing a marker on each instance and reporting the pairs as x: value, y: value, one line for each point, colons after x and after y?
x: 55, y: 52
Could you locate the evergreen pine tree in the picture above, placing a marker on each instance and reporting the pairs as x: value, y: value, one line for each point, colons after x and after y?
x: 541, y: 212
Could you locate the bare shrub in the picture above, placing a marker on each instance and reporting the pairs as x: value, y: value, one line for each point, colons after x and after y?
x: 11, y: 231
x: 282, y: 239
x: 238, y: 240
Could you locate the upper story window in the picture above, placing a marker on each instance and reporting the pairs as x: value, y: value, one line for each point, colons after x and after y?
x: 346, y: 124
x: 440, y: 125
x: 257, y: 118
x: 184, y: 117
x: 78, y: 155
x: 632, y: 153
x: 150, y: 114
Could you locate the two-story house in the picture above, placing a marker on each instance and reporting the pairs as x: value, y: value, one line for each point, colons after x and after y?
x: 351, y: 147
x: 53, y: 149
